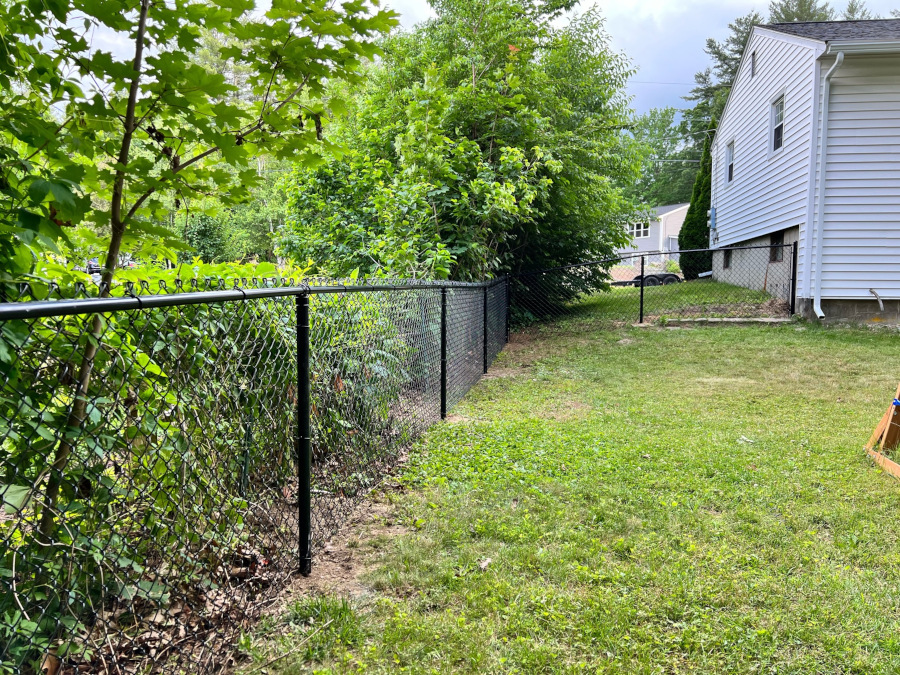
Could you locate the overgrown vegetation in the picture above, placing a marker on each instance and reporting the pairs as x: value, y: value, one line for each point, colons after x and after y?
x: 489, y: 139
x: 639, y: 501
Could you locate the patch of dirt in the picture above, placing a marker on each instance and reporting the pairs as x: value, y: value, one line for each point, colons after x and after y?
x: 625, y: 341
x: 338, y: 567
x: 771, y: 308
x: 457, y: 419
x: 500, y: 372
x: 564, y: 411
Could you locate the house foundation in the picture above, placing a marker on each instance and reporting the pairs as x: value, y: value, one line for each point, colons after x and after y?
x: 852, y: 311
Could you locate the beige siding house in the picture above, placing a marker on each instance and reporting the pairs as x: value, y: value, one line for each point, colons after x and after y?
x: 660, y: 233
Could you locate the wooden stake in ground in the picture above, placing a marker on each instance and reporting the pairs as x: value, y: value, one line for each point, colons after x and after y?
x: 886, y: 436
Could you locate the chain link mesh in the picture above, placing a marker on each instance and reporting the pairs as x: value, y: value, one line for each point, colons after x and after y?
x: 740, y: 282
x: 150, y: 501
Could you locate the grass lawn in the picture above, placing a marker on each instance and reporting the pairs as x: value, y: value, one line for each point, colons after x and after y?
x: 634, y: 501
x: 698, y: 297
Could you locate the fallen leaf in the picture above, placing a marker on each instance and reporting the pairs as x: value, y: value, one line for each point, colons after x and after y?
x: 484, y: 564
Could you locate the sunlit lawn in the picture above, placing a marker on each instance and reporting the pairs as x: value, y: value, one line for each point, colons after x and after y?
x: 698, y: 297
x: 636, y: 501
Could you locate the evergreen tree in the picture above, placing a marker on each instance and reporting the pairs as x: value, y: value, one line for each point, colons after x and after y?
x: 726, y: 55
x: 695, y: 231
x: 789, y: 11
x: 714, y: 83
x: 857, y: 11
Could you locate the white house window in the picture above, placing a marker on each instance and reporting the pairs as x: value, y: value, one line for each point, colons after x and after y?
x: 639, y: 230
x: 778, y: 124
x: 729, y: 162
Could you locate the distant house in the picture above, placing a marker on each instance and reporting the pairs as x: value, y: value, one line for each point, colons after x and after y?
x: 658, y: 234
x: 808, y: 151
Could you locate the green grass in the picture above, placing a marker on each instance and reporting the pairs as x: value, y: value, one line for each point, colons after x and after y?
x: 650, y: 501
x: 700, y: 297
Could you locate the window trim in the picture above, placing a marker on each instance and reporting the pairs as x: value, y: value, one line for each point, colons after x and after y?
x: 729, y: 163
x: 644, y: 227
x: 780, y: 96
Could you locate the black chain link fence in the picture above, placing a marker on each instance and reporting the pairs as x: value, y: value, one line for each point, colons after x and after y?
x: 168, y: 460
x: 740, y: 282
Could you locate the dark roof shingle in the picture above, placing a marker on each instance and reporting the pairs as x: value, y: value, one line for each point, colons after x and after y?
x: 830, y: 31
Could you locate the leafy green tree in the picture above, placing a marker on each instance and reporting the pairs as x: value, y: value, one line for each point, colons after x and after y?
x: 671, y: 167
x: 695, y: 230
x: 205, y: 235
x: 105, y: 157
x: 788, y: 11
x: 516, y: 125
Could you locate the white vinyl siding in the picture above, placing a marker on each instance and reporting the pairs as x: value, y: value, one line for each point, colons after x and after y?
x: 861, y: 233
x: 770, y: 191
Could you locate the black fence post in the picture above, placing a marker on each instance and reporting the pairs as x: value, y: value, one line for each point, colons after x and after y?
x: 304, y: 440
x: 485, y: 332
x: 508, y: 304
x: 794, y: 278
x: 444, y: 352
x: 642, y: 290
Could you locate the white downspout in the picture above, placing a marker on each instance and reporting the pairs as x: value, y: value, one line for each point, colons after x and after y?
x: 820, y: 213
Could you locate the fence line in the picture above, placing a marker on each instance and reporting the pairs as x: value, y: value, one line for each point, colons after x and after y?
x: 167, y: 460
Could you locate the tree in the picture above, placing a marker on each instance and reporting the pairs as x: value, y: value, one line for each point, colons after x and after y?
x: 857, y: 11
x: 106, y: 158
x: 671, y: 167
x: 695, y: 230
x: 714, y: 83
x: 788, y: 11
x: 516, y: 127
x: 726, y: 55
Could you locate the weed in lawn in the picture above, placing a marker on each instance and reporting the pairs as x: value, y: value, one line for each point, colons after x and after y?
x: 707, y: 510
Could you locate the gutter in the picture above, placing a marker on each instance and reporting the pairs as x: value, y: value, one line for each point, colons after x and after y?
x: 850, y: 47
x: 820, y: 215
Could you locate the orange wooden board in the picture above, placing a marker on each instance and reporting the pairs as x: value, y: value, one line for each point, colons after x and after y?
x: 887, y: 465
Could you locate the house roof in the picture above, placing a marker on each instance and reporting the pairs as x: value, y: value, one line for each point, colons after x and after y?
x: 832, y: 31
x: 660, y: 211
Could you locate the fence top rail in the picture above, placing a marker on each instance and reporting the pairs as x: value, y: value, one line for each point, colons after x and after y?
x: 639, y: 254
x: 10, y: 311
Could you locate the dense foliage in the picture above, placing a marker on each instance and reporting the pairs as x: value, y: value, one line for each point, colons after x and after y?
x: 671, y: 166
x: 101, y: 144
x: 488, y: 139
x: 100, y: 154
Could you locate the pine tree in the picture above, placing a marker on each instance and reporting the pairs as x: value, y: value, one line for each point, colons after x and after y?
x: 695, y: 231
x: 857, y: 11
x: 788, y: 11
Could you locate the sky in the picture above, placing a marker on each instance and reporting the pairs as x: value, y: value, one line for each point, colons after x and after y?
x: 664, y: 39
